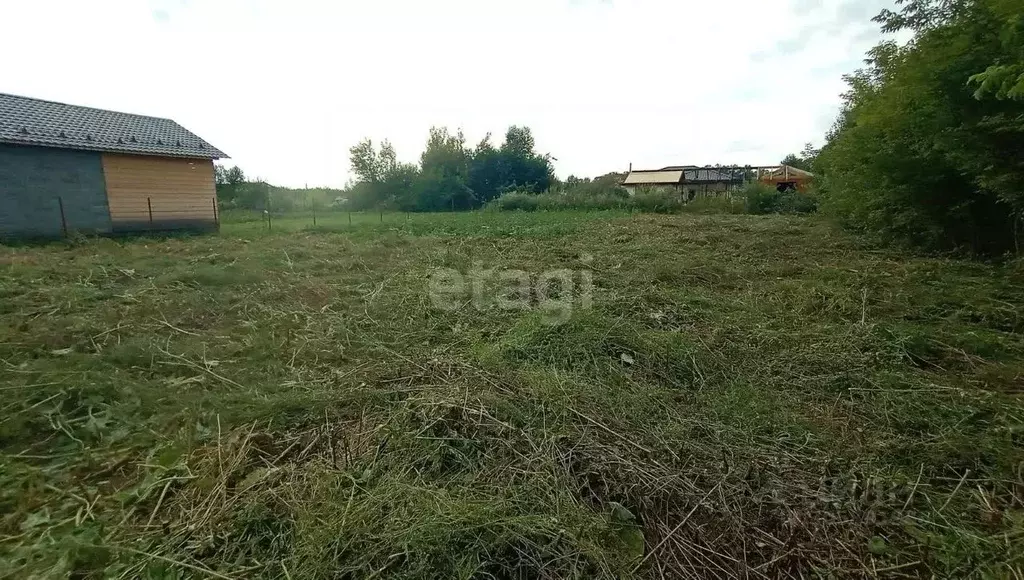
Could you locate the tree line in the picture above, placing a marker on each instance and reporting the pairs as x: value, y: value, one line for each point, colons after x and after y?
x: 450, y: 176
x: 235, y: 190
x: 929, y: 147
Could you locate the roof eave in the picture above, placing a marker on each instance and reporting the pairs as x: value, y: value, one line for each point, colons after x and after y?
x: 211, y: 153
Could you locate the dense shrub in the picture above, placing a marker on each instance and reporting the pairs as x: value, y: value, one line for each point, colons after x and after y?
x: 762, y: 198
x: 716, y: 204
x: 653, y: 202
x: 657, y: 201
x: 609, y: 183
x: 921, y: 154
x: 516, y: 201
x: 451, y: 175
x: 523, y: 201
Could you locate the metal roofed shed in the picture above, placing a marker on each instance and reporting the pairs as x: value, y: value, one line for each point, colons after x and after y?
x: 713, y: 175
x: 688, y: 180
x: 653, y: 178
x: 65, y: 167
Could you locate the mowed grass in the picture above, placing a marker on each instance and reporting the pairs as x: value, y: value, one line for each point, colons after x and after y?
x: 746, y: 397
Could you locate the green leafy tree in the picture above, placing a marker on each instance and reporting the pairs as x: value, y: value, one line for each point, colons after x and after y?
x: 521, y: 167
x: 383, y: 182
x: 803, y: 160
x: 518, y: 141
x: 445, y: 168
x: 398, y: 187
x: 793, y: 160
x: 368, y: 164
x: 485, y: 171
x: 915, y: 155
x: 230, y: 184
x: 921, y: 15
x: 450, y: 176
x: 1004, y: 78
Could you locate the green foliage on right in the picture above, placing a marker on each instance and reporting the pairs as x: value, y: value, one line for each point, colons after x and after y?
x: 929, y: 149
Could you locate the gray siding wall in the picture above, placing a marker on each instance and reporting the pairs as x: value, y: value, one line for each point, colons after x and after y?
x: 33, y: 178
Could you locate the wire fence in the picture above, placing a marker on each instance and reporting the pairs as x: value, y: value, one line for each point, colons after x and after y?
x: 311, y: 217
x: 125, y: 216
x: 69, y: 216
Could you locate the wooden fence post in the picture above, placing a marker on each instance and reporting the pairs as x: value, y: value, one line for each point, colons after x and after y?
x: 216, y: 213
x: 63, y: 220
x: 314, y: 216
x: 149, y: 203
x: 270, y: 225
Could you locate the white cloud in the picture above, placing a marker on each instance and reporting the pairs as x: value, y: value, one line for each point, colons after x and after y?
x: 287, y: 88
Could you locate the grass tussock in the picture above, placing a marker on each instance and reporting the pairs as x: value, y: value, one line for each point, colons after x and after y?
x: 746, y: 397
x: 653, y: 202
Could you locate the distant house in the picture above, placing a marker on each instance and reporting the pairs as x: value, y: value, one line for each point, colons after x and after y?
x: 784, y: 177
x: 68, y: 168
x: 688, y: 180
x: 653, y: 180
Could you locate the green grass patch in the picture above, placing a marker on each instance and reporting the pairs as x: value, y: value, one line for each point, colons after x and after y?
x: 746, y: 396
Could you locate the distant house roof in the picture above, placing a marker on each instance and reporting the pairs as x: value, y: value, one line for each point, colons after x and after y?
x: 28, y: 121
x: 683, y: 174
x: 713, y: 175
x: 653, y: 177
x: 788, y: 171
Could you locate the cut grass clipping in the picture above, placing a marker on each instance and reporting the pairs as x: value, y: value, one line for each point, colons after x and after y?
x: 746, y: 397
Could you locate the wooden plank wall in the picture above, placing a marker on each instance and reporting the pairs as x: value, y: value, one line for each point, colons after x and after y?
x: 181, y: 191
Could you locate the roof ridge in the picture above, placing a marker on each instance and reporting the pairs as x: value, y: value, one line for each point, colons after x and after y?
x: 2, y: 94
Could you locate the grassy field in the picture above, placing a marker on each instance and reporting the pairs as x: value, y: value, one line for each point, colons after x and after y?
x: 744, y: 397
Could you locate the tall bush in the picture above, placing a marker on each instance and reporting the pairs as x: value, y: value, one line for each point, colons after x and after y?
x: 921, y: 153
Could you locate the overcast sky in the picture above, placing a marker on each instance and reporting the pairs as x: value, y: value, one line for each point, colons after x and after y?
x: 286, y: 88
